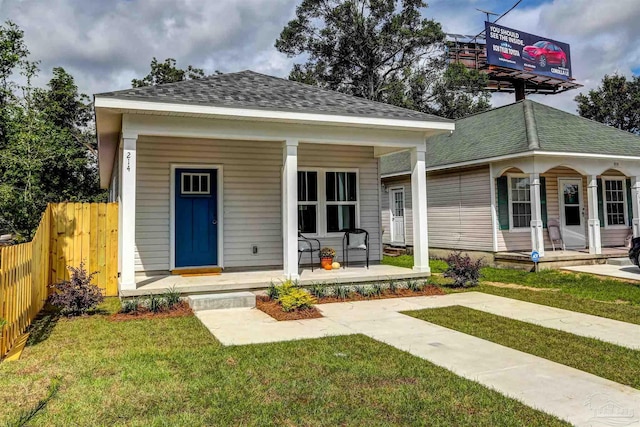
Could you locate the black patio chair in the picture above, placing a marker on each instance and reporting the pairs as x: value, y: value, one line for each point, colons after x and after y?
x: 356, y: 239
x: 306, y: 244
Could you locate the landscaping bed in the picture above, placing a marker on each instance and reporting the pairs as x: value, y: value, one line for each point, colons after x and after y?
x: 428, y: 290
x: 274, y: 309
x: 180, y: 309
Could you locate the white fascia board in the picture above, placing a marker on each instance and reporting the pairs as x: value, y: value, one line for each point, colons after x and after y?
x: 273, y: 115
x: 586, y: 155
x: 395, y: 174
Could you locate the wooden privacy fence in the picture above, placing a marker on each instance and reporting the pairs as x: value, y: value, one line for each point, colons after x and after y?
x: 68, y: 234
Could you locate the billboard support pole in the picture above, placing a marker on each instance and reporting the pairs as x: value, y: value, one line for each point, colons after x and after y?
x: 519, y: 86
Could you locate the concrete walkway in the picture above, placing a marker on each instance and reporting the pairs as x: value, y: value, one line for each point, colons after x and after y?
x: 627, y: 272
x: 568, y: 393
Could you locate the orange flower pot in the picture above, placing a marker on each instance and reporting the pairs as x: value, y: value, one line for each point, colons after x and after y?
x: 327, y: 261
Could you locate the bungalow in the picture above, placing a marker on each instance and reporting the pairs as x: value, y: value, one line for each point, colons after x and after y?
x: 224, y: 171
x: 498, y: 180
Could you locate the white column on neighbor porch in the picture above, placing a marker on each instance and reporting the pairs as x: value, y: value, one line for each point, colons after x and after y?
x: 127, y: 214
x: 419, y: 199
x: 290, y: 208
x: 537, y: 236
x: 595, y: 244
x: 635, y: 204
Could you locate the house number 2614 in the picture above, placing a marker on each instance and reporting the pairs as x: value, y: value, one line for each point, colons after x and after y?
x: 128, y: 161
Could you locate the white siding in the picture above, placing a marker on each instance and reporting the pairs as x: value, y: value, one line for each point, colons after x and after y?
x: 252, y: 195
x: 459, y: 210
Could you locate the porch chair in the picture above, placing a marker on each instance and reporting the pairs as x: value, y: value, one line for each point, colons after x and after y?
x: 306, y: 244
x: 356, y: 239
x: 553, y: 228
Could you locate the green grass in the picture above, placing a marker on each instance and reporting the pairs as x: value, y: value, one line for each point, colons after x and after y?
x: 406, y: 261
x: 605, y: 360
x: 174, y: 372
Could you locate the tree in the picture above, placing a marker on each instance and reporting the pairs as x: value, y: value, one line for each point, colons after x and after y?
x: 382, y: 50
x: 48, y: 152
x: 167, y: 72
x: 616, y: 102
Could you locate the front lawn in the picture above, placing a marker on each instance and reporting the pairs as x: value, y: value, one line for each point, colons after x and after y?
x: 172, y: 371
x: 406, y: 261
x: 584, y: 293
x: 605, y: 360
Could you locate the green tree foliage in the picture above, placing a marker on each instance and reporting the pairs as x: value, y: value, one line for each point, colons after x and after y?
x: 616, y: 102
x: 167, y: 72
x: 48, y: 150
x: 382, y: 50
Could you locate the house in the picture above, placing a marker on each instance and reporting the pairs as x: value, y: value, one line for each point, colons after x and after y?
x: 223, y: 171
x: 495, y: 182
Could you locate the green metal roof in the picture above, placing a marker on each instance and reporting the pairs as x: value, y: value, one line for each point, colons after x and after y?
x: 518, y: 128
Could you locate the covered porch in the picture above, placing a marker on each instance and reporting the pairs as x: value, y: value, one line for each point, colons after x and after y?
x: 593, y: 201
x: 189, y: 284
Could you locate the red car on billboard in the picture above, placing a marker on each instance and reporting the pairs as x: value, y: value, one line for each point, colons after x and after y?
x: 544, y: 53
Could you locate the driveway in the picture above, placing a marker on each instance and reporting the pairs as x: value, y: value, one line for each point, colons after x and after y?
x: 626, y: 272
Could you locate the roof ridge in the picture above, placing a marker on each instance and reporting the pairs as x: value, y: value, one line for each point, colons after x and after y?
x: 531, y: 130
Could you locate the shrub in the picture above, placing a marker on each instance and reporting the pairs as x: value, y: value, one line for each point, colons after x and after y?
x: 130, y: 305
x: 296, y: 299
x: 377, y: 289
x: 415, y: 285
x: 341, y: 292
x: 77, y: 295
x: 156, y: 303
x: 318, y: 290
x: 393, y: 286
x: 172, y: 297
x: 464, y: 271
x: 272, y: 292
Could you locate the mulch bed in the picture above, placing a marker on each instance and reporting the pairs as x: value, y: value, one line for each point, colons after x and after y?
x: 181, y: 309
x: 274, y: 309
x: 399, y: 293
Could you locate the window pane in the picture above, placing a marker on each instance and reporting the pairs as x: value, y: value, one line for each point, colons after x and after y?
x: 195, y: 183
x: 186, y: 183
x: 307, y: 219
x: 521, y: 215
x: 331, y: 186
x: 302, y: 186
x: 520, y: 190
x: 571, y: 196
x: 352, y: 186
x: 312, y: 186
x: 572, y: 215
x: 341, y: 217
x: 204, y: 183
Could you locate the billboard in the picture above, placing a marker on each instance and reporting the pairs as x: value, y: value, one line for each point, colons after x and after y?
x: 527, y: 52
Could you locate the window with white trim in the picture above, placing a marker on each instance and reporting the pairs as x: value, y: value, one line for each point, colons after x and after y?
x: 308, y: 202
x: 194, y: 184
x: 342, y: 200
x: 614, y: 201
x: 327, y: 201
x: 520, y: 202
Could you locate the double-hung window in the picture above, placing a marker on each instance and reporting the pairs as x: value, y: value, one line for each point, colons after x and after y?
x: 614, y: 200
x: 308, y: 202
x: 327, y: 201
x: 520, y: 202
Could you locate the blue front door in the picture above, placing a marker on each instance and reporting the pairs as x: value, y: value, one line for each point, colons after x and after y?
x: 196, y: 217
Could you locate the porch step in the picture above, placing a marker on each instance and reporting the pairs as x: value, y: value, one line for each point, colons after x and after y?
x: 394, y: 251
x: 619, y: 261
x: 222, y: 301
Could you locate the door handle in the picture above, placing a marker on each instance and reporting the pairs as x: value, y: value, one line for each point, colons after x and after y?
x: 215, y: 222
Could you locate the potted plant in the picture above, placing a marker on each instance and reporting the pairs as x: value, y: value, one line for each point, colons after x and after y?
x: 326, y: 257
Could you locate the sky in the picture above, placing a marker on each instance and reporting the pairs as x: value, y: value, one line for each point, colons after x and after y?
x: 106, y: 43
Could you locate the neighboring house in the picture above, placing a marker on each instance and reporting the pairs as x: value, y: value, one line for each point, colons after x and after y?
x: 495, y: 182
x: 223, y: 171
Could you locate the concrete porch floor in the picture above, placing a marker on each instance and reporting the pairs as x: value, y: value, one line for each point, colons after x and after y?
x: 254, y: 280
x: 559, y: 258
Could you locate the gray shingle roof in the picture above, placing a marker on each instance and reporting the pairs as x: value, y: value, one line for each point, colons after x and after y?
x: 519, y: 128
x: 248, y: 89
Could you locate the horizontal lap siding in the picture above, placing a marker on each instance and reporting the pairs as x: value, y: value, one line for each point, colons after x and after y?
x: 459, y: 210
x: 251, y: 189
x: 405, y: 183
x: 351, y: 157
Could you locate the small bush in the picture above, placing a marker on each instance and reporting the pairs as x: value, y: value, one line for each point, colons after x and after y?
x: 130, y: 305
x: 318, y: 290
x: 77, y: 295
x: 296, y: 299
x: 463, y: 270
x: 377, y: 289
x: 172, y: 297
x: 393, y: 286
x: 272, y: 291
x: 341, y: 292
x: 156, y: 304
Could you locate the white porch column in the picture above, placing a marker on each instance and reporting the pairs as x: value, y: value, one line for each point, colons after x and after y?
x: 419, y: 199
x: 635, y: 204
x: 290, y: 208
x: 127, y: 214
x: 537, y: 236
x: 595, y: 245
